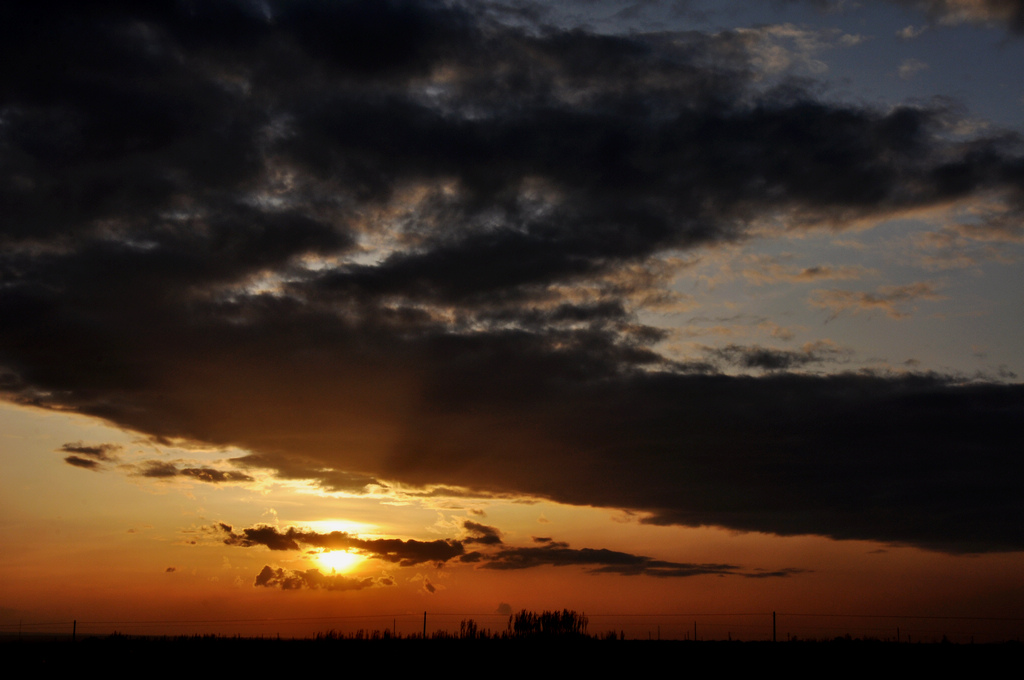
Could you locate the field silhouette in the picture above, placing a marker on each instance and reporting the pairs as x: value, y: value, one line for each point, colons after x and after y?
x: 544, y: 643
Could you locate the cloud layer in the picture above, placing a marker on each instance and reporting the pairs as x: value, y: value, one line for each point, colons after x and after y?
x: 405, y: 241
x: 286, y: 579
x: 410, y: 553
x: 404, y: 553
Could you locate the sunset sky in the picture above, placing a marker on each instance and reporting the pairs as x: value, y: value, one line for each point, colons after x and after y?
x: 322, y: 314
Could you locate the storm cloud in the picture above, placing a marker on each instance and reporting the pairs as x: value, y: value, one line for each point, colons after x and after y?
x: 405, y: 242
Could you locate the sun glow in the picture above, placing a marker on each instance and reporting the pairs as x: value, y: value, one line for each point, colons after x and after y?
x: 339, y: 560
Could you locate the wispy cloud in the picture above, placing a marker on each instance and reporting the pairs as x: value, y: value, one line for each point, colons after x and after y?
x: 910, y: 68
x: 89, y: 457
x: 892, y: 300
x: 910, y: 32
x: 779, y: 48
x: 765, y: 271
x: 951, y: 12
x: 1007, y: 13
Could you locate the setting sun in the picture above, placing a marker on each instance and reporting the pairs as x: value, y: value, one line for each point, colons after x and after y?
x: 339, y: 560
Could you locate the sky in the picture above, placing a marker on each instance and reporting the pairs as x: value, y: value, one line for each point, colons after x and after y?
x: 319, y: 314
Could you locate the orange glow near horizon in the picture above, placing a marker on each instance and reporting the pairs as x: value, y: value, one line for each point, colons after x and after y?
x: 173, y: 566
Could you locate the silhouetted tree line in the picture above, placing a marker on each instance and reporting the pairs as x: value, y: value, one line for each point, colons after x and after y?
x: 523, y: 625
x: 361, y: 634
x: 566, y: 623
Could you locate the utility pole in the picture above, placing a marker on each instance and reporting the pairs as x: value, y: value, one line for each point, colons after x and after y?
x: 424, y: 625
x: 773, y: 626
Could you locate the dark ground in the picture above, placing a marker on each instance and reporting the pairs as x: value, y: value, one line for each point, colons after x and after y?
x: 543, y: 657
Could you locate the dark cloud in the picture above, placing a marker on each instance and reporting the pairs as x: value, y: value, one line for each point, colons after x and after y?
x: 455, y: 492
x: 773, y: 359
x: 411, y: 553
x: 602, y: 561
x: 213, y: 476
x: 261, y: 535
x: 78, y: 461
x: 910, y: 459
x: 405, y: 553
x: 285, y: 467
x: 403, y: 241
x: 157, y: 469
x: 98, y: 452
x: 313, y: 579
x: 481, y: 533
x: 89, y: 457
x: 781, y: 573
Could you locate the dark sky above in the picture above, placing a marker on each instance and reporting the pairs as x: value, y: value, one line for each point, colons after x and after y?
x: 413, y: 242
